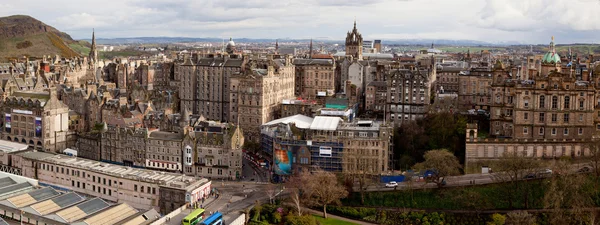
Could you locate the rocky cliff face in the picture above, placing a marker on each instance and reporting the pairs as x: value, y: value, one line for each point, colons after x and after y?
x: 20, y: 26
x: 25, y: 36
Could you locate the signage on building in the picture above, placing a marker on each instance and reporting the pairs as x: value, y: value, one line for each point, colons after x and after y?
x: 325, y: 151
x: 22, y: 111
x: 38, y: 126
x: 321, y: 93
x: 7, y: 122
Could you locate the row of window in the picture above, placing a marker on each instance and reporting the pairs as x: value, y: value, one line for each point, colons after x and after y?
x: 98, y: 180
x: 553, y: 131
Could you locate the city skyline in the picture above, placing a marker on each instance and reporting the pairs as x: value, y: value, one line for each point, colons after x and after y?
x: 494, y: 21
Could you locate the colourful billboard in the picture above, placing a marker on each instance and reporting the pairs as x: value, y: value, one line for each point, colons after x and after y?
x: 7, y: 122
x: 283, y: 160
x: 38, y: 126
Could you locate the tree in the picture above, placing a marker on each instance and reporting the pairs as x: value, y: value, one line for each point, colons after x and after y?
x: 293, y: 185
x: 271, y: 191
x: 497, y: 219
x: 594, y: 150
x: 511, y: 168
x: 321, y: 188
x: 519, y: 218
x: 566, y: 195
x: 442, y: 164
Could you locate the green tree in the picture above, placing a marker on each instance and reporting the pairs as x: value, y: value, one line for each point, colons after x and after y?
x: 442, y: 163
x: 497, y: 219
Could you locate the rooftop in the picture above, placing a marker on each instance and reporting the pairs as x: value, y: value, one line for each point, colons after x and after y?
x: 79, y: 211
x: 162, y: 178
x: 301, y: 121
x: 325, y: 123
x: 9, y: 146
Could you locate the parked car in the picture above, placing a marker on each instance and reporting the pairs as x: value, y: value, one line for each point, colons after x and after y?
x: 391, y: 184
x: 545, y: 172
x: 584, y: 169
x: 529, y: 176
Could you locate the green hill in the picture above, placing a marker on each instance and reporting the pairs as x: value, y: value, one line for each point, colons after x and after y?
x: 26, y: 36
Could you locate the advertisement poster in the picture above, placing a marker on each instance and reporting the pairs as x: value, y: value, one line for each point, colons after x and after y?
x: 38, y: 126
x: 283, y: 160
x: 7, y: 122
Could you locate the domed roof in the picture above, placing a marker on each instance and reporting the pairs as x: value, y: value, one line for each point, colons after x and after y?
x: 551, y: 57
x: 230, y: 43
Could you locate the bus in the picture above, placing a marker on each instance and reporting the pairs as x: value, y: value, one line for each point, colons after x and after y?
x: 214, y: 219
x: 193, y: 218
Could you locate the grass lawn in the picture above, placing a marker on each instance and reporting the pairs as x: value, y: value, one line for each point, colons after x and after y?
x: 331, y: 221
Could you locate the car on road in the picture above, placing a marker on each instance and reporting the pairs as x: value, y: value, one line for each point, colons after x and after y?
x: 584, y: 169
x: 545, y: 173
x: 391, y: 184
x: 529, y: 176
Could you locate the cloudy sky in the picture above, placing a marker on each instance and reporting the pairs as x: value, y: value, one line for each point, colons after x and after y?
x: 525, y: 21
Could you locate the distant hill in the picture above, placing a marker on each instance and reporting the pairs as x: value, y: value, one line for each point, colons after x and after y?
x: 22, y: 35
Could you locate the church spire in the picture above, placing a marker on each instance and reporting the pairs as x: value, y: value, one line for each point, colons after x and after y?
x: 310, y: 49
x: 93, y: 57
x: 276, y: 45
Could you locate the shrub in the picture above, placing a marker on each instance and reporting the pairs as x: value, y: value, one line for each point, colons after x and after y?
x: 24, y: 44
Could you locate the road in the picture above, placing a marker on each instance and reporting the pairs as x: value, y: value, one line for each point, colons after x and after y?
x: 455, y: 181
x: 235, y: 196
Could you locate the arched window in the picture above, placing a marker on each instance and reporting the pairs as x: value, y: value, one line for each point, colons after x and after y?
x: 554, y: 102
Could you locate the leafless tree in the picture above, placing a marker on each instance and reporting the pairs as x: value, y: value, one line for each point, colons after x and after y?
x: 519, y: 218
x: 511, y: 168
x: 321, y: 188
x: 567, y: 196
x: 294, y: 185
x: 442, y: 163
x: 594, y: 151
x: 271, y: 191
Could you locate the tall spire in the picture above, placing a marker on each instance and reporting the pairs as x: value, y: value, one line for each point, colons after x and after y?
x: 93, y: 57
x: 310, y: 49
x: 276, y: 45
x: 354, y: 22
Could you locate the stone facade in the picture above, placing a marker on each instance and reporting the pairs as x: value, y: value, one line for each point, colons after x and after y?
x: 408, y: 94
x: 376, y: 97
x: 447, y: 79
x: 257, y: 93
x: 474, y: 89
x: 38, y: 119
x: 214, y: 150
x: 204, y: 84
x: 314, y: 78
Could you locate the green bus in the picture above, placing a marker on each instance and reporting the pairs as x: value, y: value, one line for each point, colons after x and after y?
x: 193, y: 218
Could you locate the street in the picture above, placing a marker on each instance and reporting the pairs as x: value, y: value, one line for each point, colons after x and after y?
x: 235, y: 196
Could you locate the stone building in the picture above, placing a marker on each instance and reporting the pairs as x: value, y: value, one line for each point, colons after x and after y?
x: 552, y: 104
x: 474, y: 89
x: 163, y: 151
x: 300, y: 143
x: 447, y: 79
x: 38, y: 119
x: 204, y: 84
x: 292, y: 107
x: 257, y: 92
x: 314, y: 78
x: 408, y: 96
x: 140, y: 188
x: 213, y: 150
x: 376, y: 97
x: 354, y: 43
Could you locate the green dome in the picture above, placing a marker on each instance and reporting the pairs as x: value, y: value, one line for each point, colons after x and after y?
x: 551, y: 57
